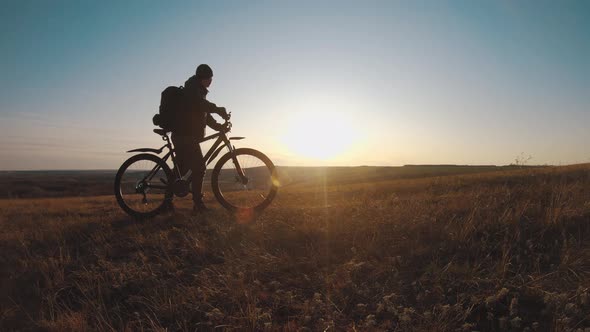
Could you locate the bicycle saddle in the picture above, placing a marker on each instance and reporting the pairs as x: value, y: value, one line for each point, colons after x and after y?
x: 161, y: 132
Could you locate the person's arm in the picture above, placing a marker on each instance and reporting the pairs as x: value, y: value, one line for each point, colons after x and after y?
x: 209, y: 107
x: 214, y: 124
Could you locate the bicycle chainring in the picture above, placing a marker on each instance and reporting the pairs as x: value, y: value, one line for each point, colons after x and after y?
x: 181, y: 188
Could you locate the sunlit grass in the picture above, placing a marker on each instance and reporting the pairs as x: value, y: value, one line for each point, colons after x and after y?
x: 489, y: 252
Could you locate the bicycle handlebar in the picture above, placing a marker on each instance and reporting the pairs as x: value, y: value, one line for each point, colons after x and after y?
x: 227, y: 124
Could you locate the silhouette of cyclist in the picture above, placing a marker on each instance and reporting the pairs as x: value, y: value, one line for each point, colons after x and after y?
x: 190, y: 128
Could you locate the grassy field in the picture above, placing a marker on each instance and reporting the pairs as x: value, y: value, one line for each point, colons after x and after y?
x: 350, y: 249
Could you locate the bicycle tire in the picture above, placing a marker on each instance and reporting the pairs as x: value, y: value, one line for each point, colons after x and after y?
x: 168, y: 194
x: 231, y: 206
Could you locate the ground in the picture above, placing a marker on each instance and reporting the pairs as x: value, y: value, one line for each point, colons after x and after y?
x: 353, y: 249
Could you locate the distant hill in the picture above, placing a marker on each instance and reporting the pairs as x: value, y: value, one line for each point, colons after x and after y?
x: 72, y: 183
x: 365, y: 174
x: 29, y: 184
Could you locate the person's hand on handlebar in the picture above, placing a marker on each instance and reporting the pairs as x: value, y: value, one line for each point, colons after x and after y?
x: 223, y: 113
x: 226, y: 127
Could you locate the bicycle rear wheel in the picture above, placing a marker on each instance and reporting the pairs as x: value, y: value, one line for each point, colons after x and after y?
x: 141, y: 185
x: 251, y: 193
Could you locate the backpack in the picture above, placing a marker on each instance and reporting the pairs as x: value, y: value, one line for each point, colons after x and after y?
x: 171, y: 104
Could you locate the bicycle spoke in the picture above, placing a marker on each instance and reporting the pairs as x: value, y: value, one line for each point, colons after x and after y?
x: 137, y: 192
x: 251, y: 193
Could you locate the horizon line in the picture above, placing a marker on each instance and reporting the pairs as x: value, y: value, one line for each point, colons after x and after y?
x: 295, y: 166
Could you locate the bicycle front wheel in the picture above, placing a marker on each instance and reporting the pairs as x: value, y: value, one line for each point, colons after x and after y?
x: 141, y: 185
x: 249, y: 185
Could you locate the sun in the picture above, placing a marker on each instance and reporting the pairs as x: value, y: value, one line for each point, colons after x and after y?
x: 319, y: 133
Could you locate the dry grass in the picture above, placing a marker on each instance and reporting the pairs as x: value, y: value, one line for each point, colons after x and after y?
x: 504, y: 250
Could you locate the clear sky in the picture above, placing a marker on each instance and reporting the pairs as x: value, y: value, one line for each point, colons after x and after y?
x: 308, y: 83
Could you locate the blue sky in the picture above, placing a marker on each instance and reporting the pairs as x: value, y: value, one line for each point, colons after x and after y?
x: 359, y: 83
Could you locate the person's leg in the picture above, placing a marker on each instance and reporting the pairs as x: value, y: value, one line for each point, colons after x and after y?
x: 198, y: 167
x: 183, y: 149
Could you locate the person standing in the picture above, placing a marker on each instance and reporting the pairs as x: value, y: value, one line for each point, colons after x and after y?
x: 190, y: 128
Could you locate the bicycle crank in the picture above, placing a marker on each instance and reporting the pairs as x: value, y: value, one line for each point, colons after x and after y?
x: 181, y: 188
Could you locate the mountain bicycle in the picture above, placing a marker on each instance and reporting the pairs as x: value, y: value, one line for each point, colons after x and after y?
x: 243, y: 180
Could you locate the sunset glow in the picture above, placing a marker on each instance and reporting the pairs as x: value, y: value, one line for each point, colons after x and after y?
x: 317, y: 133
x: 308, y: 83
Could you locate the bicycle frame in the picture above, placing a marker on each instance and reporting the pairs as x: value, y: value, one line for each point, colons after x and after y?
x: 221, y: 142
